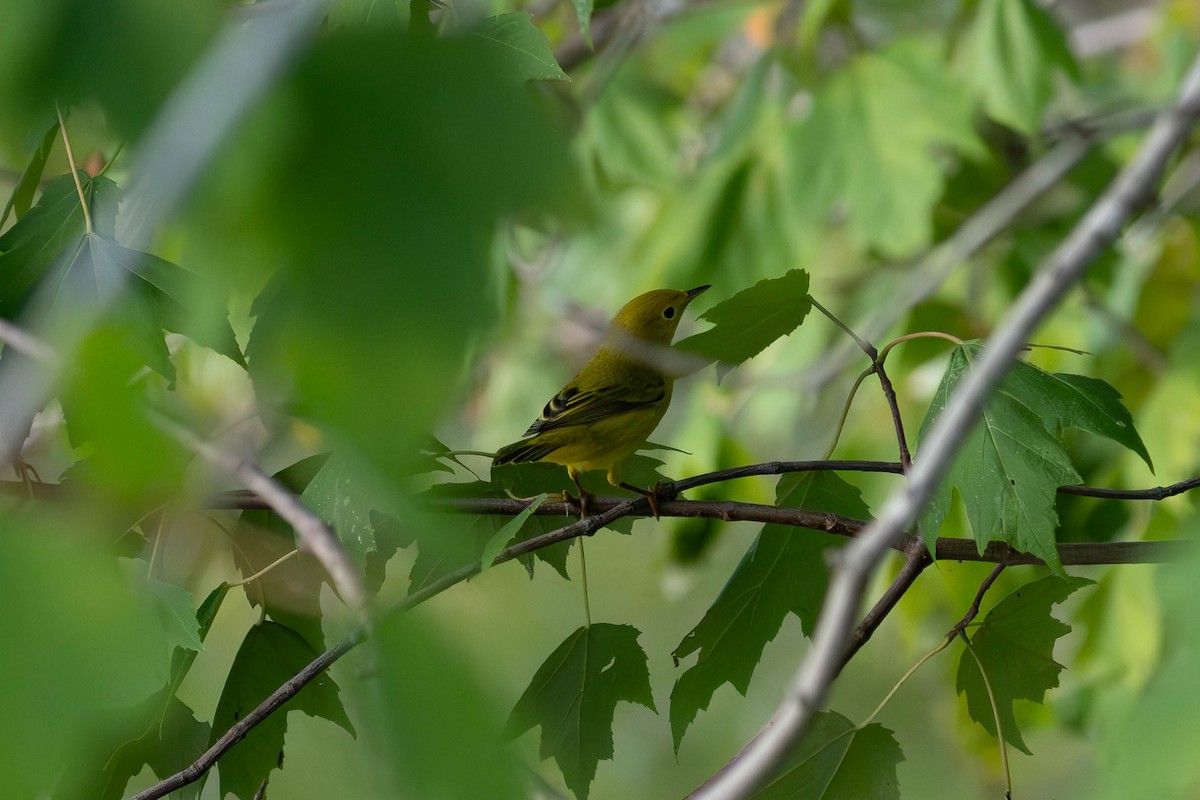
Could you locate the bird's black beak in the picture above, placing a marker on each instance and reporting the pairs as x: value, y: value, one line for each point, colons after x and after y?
x: 692, y: 294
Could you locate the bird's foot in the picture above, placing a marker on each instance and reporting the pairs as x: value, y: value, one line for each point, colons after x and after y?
x: 581, y: 501
x: 650, y: 494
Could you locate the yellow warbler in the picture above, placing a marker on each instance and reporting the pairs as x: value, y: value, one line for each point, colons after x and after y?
x: 606, y: 412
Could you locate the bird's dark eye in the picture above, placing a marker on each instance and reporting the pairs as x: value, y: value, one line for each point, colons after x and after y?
x: 669, y: 312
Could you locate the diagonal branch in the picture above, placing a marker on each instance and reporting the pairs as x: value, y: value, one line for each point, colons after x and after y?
x: 314, y: 535
x: 1094, y: 232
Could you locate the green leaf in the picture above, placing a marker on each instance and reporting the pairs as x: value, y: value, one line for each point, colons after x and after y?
x: 574, y: 694
x: 79, y: 643
x: 270, y: 655
x: 870, y: 144
x: 745, y: 324
x: 1016, y: 645
x: 184, y: 657
x: 172, y: 741
x: 784, y: 572
x: 177, y: 610
x: 1017, y: 51
x: 836, y: 761
x: 343, y: 494
x: 131, y: 460
x: 49, y: 232
x: 1012, y: 463
x: 502, y: 537
x: 522, y: 44
x: 1077, y: 401
x: 22, y: 195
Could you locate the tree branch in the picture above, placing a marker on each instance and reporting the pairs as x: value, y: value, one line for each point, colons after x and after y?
x: 1098, y: 227
x: 243, y: 500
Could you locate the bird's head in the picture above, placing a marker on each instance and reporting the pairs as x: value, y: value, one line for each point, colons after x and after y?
x: 654, y: 316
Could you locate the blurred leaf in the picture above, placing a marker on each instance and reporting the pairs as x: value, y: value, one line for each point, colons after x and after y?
x: 1166, y: 303
x: 523, y: 44
x: 79, y: 644
x: 22, y: 194
x: 583, y: 13
x: 1147, y: 748
x: 574, y: 694
x: 745, y: 324
x: 870, y: 144
x: 1017, y: 50
x: 270, y: 655
x: 443, y: 729
x: 402, y: 259
x: 1015, y: 642
x: 1009, y: 469
x: 784, y: 572
x: 835, y: 760
x: 129, y: 460
x: 127, y: 55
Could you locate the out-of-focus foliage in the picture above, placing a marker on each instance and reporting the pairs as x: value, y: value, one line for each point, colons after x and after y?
x: 419, y: 229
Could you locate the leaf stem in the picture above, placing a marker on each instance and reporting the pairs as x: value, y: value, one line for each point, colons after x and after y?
x: 987, y: 684
x: 266, y: 569
x: 83, y: 203
x: 587, y: 606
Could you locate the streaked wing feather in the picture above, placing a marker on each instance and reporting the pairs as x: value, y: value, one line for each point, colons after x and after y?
x: 574, y: 407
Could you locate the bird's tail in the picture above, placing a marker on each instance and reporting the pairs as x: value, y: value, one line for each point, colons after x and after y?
x: 523, y: 451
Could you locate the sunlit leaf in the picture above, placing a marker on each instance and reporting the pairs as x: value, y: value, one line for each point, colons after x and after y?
x: 784, y: 572
x: 574, y: 694
x: 871, y: 141
x: 1016, y: 645
x: 1017, y: 51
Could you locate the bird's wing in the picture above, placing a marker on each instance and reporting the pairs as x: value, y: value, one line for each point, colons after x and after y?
x: 573, y: 406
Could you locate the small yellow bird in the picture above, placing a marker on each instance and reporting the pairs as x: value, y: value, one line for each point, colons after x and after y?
x: 609, y: 409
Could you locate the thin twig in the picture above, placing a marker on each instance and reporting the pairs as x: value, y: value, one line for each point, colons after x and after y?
x: 917, y: 558
x: 1095, y: 231
x: 885, y: 383
x: 83, y: 203
x: 285, y: 557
